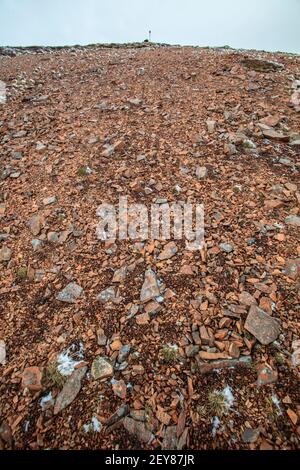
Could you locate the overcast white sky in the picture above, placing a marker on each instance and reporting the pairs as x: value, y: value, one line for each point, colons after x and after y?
x: 260, y: 24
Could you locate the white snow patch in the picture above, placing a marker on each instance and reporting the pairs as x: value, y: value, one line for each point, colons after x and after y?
x: 228, y: 396
x: 94, y: 426
x: 216, y: 424
x: 68, y: 360
x: 45, y: 400
x: 276, y: 402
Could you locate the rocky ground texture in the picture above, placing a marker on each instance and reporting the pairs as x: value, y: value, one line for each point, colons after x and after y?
x: 145, y: 344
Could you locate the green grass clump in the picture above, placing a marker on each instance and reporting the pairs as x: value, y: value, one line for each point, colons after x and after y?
x: 169, y: 354
x: 52, y: 376
x: 216, y: 403
x: 22, y: 273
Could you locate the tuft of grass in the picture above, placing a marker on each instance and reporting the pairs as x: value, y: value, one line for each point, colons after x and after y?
x: 216, y: 404
x: 22, y: 273
x: 83, y: 171
x: 169, y: 354
x: 279, y: 358
x: 52, y: 376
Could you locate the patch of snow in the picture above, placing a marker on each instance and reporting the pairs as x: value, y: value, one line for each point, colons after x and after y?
x: 228, y: 396
x: 276, y: 402
x: 216, y: 424
x: 45, y: 400
x: 68, y: 360
x: 94, y: 426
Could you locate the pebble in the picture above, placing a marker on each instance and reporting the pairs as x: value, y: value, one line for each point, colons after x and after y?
x: 150, y: 287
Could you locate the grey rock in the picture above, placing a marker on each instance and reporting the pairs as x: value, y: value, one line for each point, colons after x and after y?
x: 101, y: 368
x: 293, y: 220
x: 70, y: 293
x: 227, y: 247
x: 150, y: 287
x: 5, y: 253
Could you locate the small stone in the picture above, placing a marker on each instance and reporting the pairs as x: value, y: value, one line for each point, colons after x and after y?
x: 49, y: 200
x: 120, y: 275
x: 191, y: 350
x: 70, y: 293
x: 271, y: 204
x: 234, y: 351
x: 211, y: 125
x: 5, y: 254
x: 124, y: 353
x: 115, y: 345
x: 34, y: 224
x: 101, y: 368
x: 293, y: 220
x: 6, y: 433
x: 247, y: 299
x: 101, y: 338
x: 170, y: 438
x: 261, y: 325
x: 150, y: 288
x: 36, y: 244
x: 292, y: 268
x: 201, y: 172
x: 107, y: 295
x: 2, y: 352
x: 266, y: 375
x: 119, y: 388
x: 227, y: 247
x: 250, y: 435
x: 142, y: 319
x: 292, y: 415
x: 32, y: 378
x: 169, y: 250
x: 70, y: 390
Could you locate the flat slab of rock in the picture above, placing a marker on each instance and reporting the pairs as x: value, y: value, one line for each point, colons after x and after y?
x: 138, y: 429
x: 70, y: 293
x: 206, y: 368
x: 102, y: 368
x: 293, y: 220
x: 292, y: 268
x: 261, y: 325
x: 262, y: 65
x: 70, y: 390
x: 150, y: 287
x: 34, y: 224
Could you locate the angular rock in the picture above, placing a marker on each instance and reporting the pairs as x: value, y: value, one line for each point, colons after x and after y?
x: 261, y: 325
x: 70, y: 390
x: 120, y: 275
x: 292, y: 268
x: 34, y: 224
x: 138, y: 429
x: 266, y: 375
x: 150, y: 287
x: 227, y: 247
x: 250, y: 435
x: 101, y: 368
x: 169, y: 250
x: 107, y: 295
x: 293, y: 220
x: 262, y: 65
x: 49, y: 200
x: 32, y: 378
x: 70, y: 293
x: 119, y: 388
